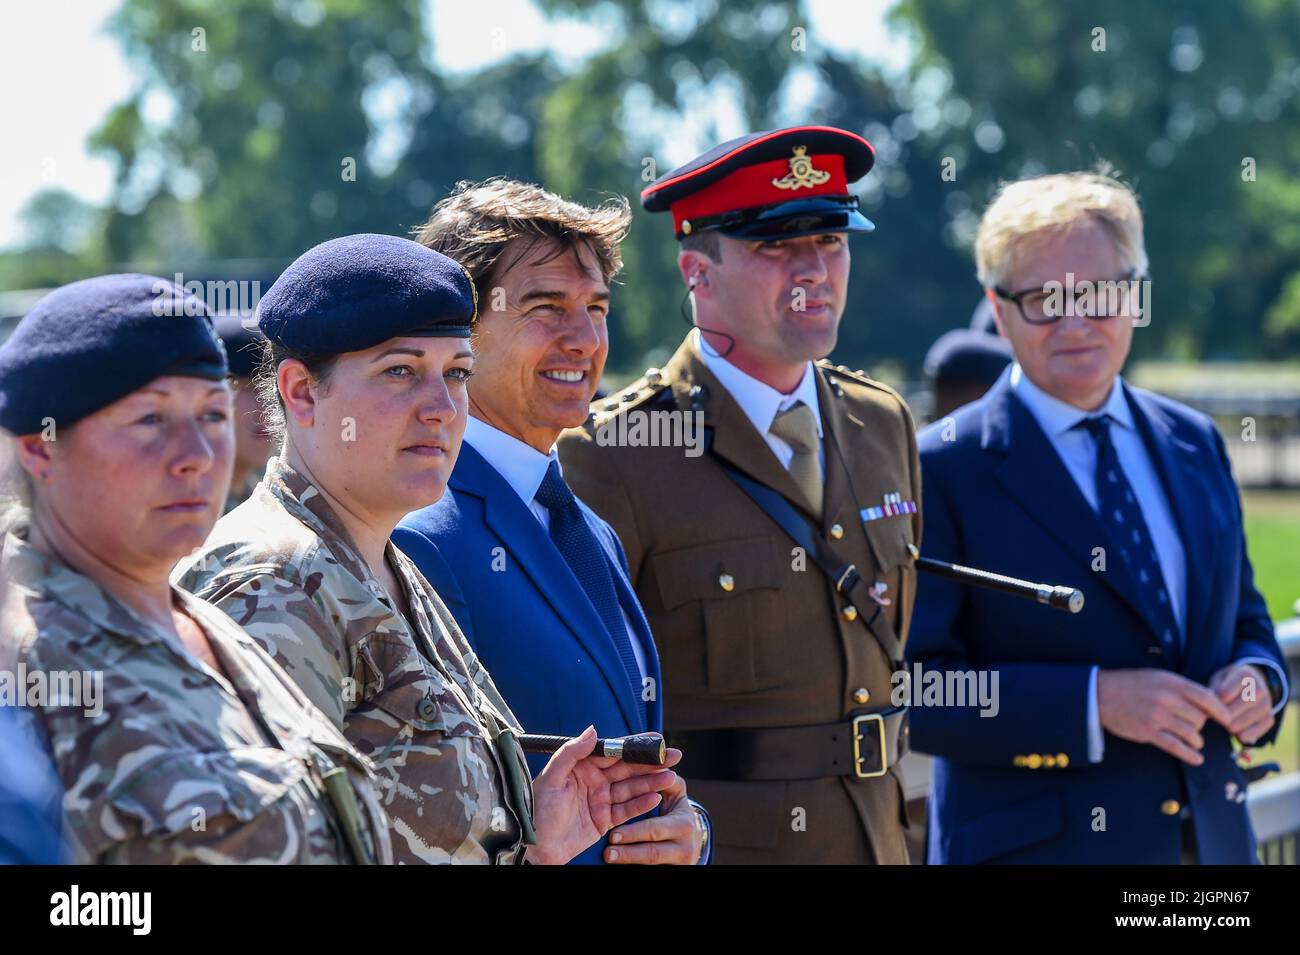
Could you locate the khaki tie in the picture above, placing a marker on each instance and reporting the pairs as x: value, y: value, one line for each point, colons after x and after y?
x: 797, y: 427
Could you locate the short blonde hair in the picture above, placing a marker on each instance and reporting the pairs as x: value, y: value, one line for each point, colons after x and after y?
x: 1029, y: 209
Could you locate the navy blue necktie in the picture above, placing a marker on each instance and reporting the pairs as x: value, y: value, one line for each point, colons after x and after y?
x: 1119, y: 510
x: 576, y: 541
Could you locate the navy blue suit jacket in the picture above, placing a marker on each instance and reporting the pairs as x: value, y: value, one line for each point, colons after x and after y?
x: 30, y: 797
x: 526, y: 614
x: 997, y: 496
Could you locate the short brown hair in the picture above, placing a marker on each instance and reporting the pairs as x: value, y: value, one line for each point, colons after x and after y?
x: 476, y: 221
x: 706, y: 242
x: 266, y: 382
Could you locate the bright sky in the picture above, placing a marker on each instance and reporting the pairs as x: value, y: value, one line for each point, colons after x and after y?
x: 60, y: 73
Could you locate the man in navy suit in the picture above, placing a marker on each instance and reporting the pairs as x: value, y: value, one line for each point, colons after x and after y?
x: 1109, y: 736
x: 535, y: 579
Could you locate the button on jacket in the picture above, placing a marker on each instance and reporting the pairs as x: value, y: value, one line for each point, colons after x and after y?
x: 749, y: 633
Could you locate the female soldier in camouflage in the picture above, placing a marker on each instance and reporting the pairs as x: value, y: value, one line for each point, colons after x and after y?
x: 368, y: 361
x: 175, y: 736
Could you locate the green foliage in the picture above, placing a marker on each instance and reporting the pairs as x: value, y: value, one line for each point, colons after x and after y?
x: 236, y: 142
x: 1273, y: 535
x: 1181, y: 99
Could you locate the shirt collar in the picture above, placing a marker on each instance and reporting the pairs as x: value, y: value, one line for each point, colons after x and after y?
x: 759, y: 400
x: 1055, y: 416
x: 522, y: 465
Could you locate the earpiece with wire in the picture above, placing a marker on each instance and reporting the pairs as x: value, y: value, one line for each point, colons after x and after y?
x: 700, y: 279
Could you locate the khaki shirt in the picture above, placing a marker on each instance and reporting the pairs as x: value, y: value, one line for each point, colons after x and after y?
x: 167, y: 761
x: 412, y: 696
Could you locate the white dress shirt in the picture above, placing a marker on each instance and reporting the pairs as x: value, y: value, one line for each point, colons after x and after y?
x: 1078, y: 452
x: 524, y: 468
x: 762, y: 403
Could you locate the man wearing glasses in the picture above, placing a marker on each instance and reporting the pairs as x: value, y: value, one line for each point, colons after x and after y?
x: 1112, y: 736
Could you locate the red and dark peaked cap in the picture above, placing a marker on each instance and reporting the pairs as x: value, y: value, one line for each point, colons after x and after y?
x: 781, y: 183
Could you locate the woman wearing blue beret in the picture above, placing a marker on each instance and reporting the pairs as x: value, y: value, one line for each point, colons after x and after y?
x: 253, y: 443
x: 366, y: 369
x: 175, y: 736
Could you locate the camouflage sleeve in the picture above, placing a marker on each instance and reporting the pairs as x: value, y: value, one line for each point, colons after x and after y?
x: 301, y: 629
x: 452, y: 633
x: 134, y: 795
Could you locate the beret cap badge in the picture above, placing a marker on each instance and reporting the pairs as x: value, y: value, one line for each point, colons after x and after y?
x: 473, y: 291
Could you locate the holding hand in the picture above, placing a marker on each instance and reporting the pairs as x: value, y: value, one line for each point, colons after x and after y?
x: 1160, y: 708
x: 579, y: 797
x: 1244, y: 690
x: 675, y: 837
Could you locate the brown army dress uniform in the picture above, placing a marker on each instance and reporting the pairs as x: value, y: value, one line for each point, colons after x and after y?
x: 749, y: 635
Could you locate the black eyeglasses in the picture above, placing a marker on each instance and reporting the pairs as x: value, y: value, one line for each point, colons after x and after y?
x: 1108, y: 298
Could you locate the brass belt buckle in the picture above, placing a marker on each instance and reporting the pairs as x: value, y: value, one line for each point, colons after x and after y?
x: 857, y: 746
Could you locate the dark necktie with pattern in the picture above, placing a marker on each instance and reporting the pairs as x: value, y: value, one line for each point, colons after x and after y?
x: 581, y: 550
x: 1118, y: 508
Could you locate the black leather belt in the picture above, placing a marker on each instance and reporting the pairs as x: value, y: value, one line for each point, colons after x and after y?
x: 862, y: 747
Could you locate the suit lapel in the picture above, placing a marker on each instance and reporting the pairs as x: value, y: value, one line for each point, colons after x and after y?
x: 631, y: 605
x: 531, y: 547
x: 1181, y: 465
x: 842, y: 433
x: 735, y: 439
x: 1038, y: 481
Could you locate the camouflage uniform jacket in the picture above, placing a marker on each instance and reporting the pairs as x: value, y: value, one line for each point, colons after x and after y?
x: 413, y: 697
x: 175, y: 762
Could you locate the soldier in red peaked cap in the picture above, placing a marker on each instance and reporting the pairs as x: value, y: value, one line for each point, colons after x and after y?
x: 774, y: 555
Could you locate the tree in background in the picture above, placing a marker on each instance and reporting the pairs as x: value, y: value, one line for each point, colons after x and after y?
x: 59, y: 242
x: 265, y: 144
x: 1195, y: 103
x: 262, y: 128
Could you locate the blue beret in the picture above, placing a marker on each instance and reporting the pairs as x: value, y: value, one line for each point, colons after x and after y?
x: 964, y: 355
x: 353, y: 293
x: 243, y: 344
x: 87, y: 344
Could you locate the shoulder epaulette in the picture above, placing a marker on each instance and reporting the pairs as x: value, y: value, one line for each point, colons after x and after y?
x: 844, y: 371
x: 858, y: 377
x: 648, y: 387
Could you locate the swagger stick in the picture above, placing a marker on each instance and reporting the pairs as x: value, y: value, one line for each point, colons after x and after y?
x: 1062, y: 598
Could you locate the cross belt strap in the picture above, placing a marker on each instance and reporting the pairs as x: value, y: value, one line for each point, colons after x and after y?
x: 848, y: 582
x: 864, y: 746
